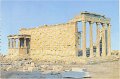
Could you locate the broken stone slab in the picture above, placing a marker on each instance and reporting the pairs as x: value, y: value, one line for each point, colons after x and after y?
x: 73, y: 74
x: 76, y: 73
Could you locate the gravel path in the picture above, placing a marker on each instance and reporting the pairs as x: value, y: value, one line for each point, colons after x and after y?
x: 106, y: 70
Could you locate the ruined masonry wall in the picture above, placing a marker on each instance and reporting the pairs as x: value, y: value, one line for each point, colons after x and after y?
x: 52, y: 40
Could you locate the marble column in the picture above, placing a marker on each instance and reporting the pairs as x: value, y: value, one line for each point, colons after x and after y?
x: 108, y: 39
x: 79, y: 39
x: 103, y: 41
x: 24, y: 42
x: 97, y: 40
x: 91, y: 40
x: 84, y: 38
x: 8, y: 42
x: 14, y: 43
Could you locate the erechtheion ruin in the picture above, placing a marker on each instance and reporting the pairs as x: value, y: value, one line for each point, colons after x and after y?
x: 64, y: 39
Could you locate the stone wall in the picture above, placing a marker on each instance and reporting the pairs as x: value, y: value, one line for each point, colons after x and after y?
x: 13, y: 52
x: 60, y: 40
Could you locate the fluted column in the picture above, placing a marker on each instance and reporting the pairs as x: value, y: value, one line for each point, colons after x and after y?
x: 103, y: 41
x: 84, y: 38
x: 109, y: 39
x: 91, y: 40
x: 97, y: 40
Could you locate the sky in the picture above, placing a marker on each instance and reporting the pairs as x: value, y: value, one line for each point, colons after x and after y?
x: 16, y: 14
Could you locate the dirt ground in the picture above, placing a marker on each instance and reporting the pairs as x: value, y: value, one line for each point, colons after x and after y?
x: 106, y: 70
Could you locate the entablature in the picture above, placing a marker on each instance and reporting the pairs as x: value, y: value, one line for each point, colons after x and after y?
x: 91, y: 17
x: 19, y: 36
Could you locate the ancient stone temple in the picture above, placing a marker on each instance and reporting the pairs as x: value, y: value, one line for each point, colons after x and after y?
x: 19, y: 44
x: 64, y: 39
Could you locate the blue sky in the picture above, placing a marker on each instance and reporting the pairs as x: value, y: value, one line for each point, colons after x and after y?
x: 33, y: 13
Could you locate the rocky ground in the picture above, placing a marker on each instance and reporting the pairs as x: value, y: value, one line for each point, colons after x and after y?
x: 106, y: 70
x: 99, y: 68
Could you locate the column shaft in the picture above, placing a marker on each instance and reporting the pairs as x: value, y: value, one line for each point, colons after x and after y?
x: 24, y: 42
x: 103, y: 41
x: 8, y: 42
x: 91, y: 40
x: 78, y: 40
x: 97, y: 40
x: 109, y: 40
x: 12, y: 43
x: 84, y: 38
